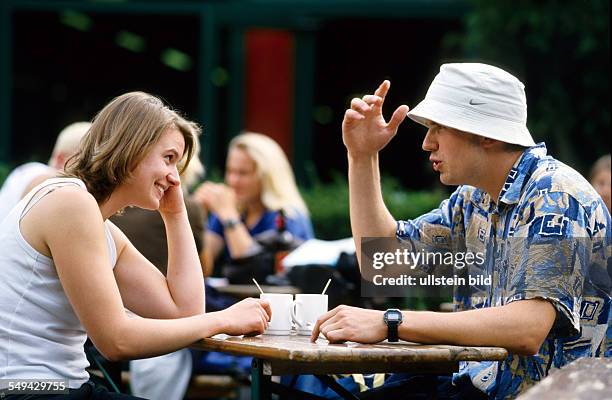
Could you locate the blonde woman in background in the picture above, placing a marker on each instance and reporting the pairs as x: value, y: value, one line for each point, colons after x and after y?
x: 258, y: 184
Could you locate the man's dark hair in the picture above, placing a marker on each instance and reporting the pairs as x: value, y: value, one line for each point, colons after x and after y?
x: 511, y: 147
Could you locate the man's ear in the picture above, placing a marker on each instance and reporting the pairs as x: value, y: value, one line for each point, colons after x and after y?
x: 488, y: 143
x: 58, y: 161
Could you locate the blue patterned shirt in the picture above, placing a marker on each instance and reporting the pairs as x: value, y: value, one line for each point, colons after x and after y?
x: 548, y: 236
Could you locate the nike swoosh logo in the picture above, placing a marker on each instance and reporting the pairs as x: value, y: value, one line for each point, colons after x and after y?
x: 476, y: 103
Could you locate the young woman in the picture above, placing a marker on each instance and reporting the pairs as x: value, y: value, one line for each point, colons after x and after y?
x: 67, y: 272
x: 259, y: 183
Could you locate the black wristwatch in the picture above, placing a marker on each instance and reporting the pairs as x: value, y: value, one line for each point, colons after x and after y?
x: 230, y: 223
x: 393, y: 319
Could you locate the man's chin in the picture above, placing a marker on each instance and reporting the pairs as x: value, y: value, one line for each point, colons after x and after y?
x: 447, y: 180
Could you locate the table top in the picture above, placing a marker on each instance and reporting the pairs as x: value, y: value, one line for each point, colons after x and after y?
x: 244, y: 291
x: 297, y: 353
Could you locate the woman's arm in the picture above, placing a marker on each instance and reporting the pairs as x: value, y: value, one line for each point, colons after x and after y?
x: 69, y: 222
x: 147, y: 292
x: 143, y: 288
x: 184, y: 274
x: 221, y: 200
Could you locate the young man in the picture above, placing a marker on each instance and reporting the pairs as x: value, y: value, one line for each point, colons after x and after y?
x: 549, y: 300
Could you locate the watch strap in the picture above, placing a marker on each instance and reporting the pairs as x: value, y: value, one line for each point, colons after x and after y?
x: 392, y: 332
x: 230, y: 223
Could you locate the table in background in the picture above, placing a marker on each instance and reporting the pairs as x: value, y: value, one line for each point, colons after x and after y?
x: 243, y: 291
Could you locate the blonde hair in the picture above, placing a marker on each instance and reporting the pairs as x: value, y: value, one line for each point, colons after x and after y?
x: 279, y: 191
x: 119, y: 138
x: 194, y: 170
x: 67, y: 142
x: 602, y: 164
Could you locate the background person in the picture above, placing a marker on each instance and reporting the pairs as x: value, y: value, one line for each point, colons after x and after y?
x: 600, y: 179
x: 258, y: 184
x: 69, y: 273
x: 23, y: 178
x: 510, y: 191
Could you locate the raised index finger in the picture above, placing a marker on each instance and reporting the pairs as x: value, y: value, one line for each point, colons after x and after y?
x: 382, y: 90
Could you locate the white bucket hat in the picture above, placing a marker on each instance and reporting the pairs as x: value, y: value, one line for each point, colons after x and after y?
x: 477, y: 98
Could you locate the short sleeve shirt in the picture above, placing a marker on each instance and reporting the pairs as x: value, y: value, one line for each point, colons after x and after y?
x: 548, y: 236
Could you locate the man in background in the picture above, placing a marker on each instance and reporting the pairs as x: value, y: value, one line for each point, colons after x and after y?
x: 25, y: 177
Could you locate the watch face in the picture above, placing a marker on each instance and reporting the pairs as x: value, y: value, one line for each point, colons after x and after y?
x: 392, y: 317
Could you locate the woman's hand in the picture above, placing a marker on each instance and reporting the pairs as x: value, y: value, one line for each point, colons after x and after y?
x: 218, y: 198
x: 247, y: 317
x: 172, y: 201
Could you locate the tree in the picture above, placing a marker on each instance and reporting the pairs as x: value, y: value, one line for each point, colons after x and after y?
x: 561, y: 51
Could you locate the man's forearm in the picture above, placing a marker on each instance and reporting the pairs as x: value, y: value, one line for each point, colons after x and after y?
x: 369, y: 215
x: 520, y: 327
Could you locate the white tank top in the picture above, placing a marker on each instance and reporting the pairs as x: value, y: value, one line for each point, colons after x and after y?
x: 40, y: 335
x: 15, y: 184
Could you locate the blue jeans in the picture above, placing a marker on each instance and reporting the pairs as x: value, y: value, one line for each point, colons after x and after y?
x: 414, y: 386
x: 396, y: 386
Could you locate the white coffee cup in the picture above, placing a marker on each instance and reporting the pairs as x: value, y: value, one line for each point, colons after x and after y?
x: 305, y: 311
x: 281, y: 303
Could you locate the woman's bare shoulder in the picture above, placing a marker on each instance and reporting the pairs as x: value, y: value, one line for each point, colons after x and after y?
x: 70, y: 202
x: 65, y: 214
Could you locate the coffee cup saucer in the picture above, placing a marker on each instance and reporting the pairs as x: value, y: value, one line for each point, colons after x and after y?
x: 277, y: 332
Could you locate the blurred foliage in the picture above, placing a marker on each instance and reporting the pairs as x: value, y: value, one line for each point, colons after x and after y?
x: 329, y: 204
x: 561, y: 51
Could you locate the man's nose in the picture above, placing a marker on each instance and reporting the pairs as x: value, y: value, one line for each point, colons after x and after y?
x: 429, y: 144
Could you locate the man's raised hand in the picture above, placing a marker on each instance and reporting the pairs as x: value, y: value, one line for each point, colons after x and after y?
x: 364, y: 129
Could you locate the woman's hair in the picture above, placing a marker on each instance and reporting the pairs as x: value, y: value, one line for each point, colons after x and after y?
x: 193, y: 171
x: 279, y: 191
x: 602, y: 164
x: 120, y: 136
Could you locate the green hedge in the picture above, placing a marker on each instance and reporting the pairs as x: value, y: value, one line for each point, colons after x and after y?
x: 329, y: 205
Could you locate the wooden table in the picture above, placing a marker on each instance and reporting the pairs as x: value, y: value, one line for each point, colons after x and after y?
x: 293, y: 354
x: 244, y: 291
